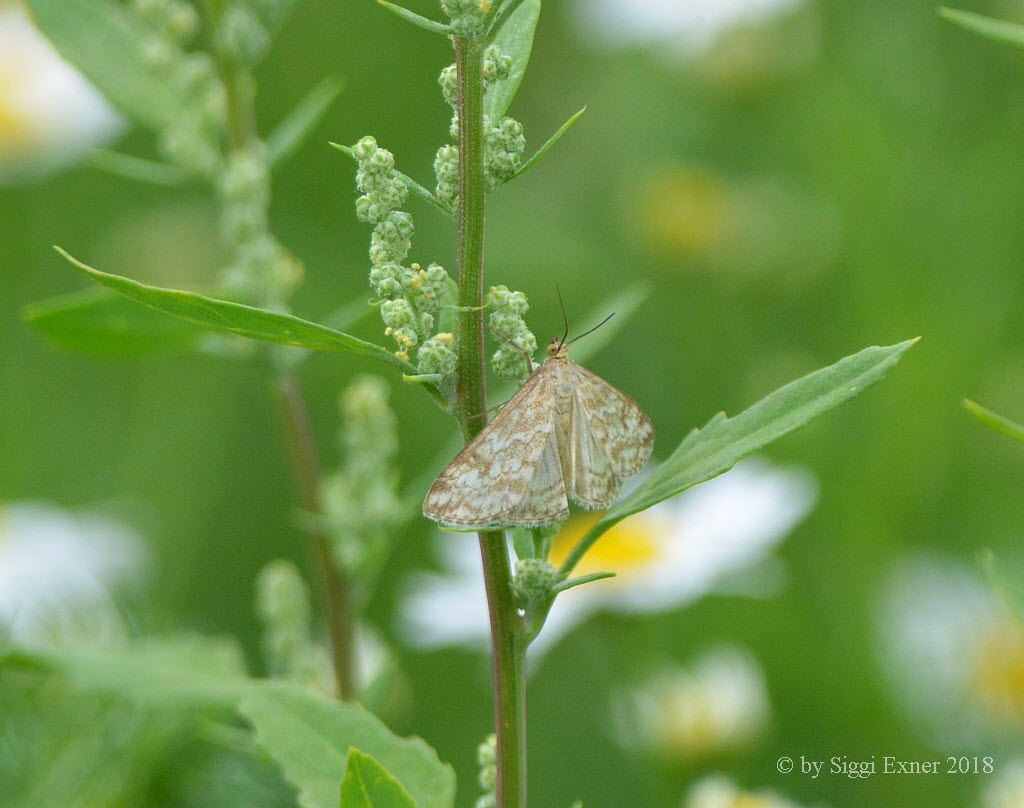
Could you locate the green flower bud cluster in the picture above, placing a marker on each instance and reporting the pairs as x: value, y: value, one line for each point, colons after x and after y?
x: 283, y: 606
x: 503, y: 151
x: 446, y: 169
x: 436, y: 356
x: 242, y: 36
x: 487, y: 759
x: 360, y: 501
x: 262, y: 271
x: 410, y: 296
x: 504, y: 142
x: 382, y: 188
x: 468, y: 17
x: 497, y: 65
x: 533, y: 579
x: 506, y: 318
x: 192, y: 141
x: 177, y: 19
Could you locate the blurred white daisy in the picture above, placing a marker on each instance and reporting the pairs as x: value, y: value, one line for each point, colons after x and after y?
x: 1006, y: 787
x: 664, y: 557
x: 49, y: 114
x: 718, y: 791
x: 718, y: 704
x: 953, y: 653
x: 685, y: 26
x: 57, y: 572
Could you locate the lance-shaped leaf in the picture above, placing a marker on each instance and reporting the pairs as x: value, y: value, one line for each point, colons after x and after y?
x: 994, y: 421
x: 103, y: 323
x: 137, y: 168
x: 176, y: 671
x: 1006, y: 581
x: 708, y: 452
x: 1008, y: 33
x: 367, y: 784
x: 551, y: 141
x: 310, y: 737
x: 246, y: 321
x: 295, y: 128
x: 104, y: 41
x: 515, y: 26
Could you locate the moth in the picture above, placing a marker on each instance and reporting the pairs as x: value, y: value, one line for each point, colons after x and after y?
x: 566, y: 434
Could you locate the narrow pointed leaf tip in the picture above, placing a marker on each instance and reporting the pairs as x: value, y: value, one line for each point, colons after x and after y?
x: 551, y: 141
x: 1008, y: 33
x: 297, y: 125
x: 235, y: 318
x: 418, y: 20
x: 367, y: 784
x: 724, y: 441
x: 994, y: 421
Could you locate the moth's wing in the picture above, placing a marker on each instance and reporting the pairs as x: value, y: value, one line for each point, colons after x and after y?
x: 615, y: 421
x: 496, y: 475
x: 589, y: 476
x: 545, y: 501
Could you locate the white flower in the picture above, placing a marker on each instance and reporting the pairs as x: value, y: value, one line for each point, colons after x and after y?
x: 56, y: 572
x: 718, y: 704
x: 718, y: 791
x: 953, y: 653
x: 49, y: 114
x: 1006, y: 789
x: 689, y: 26
x: 665, y: 557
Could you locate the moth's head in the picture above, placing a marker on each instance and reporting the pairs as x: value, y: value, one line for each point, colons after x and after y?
x: 557, y: 348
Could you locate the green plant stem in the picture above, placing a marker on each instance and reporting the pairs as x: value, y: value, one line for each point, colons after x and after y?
x: 336, y: 589
x: 508, y: 651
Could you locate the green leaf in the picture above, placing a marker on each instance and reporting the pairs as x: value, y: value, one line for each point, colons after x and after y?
x: 995, y: 422
x: 171, y: 671
x: 623, y: 304
x: 310, y: 738
x: 708, y: 452
x: 418, y: 20
x: 246, y: 321
x: 104, y: 41
x: 1008, y: 584
x: 513, y: 33
x: 296, y: 127
x: 103, y: 323
x: 1008, y: 33
x: 137, y: 168
x: 551, y: 141
x: 367, y: 784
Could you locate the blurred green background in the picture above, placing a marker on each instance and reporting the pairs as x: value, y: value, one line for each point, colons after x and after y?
x: 847, y: 175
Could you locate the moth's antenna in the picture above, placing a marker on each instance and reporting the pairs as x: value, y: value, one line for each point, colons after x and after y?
x: 592, y: 330
x: 565, y: 318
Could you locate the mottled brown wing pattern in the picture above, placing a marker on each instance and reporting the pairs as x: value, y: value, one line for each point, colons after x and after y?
x: 589, y: 476
x: 545, y: 501
x: 496, y: 474
x: 615, y: 422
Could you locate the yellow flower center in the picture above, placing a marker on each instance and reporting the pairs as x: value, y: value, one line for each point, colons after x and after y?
x: 630, y: 545
x: 997, y: 671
